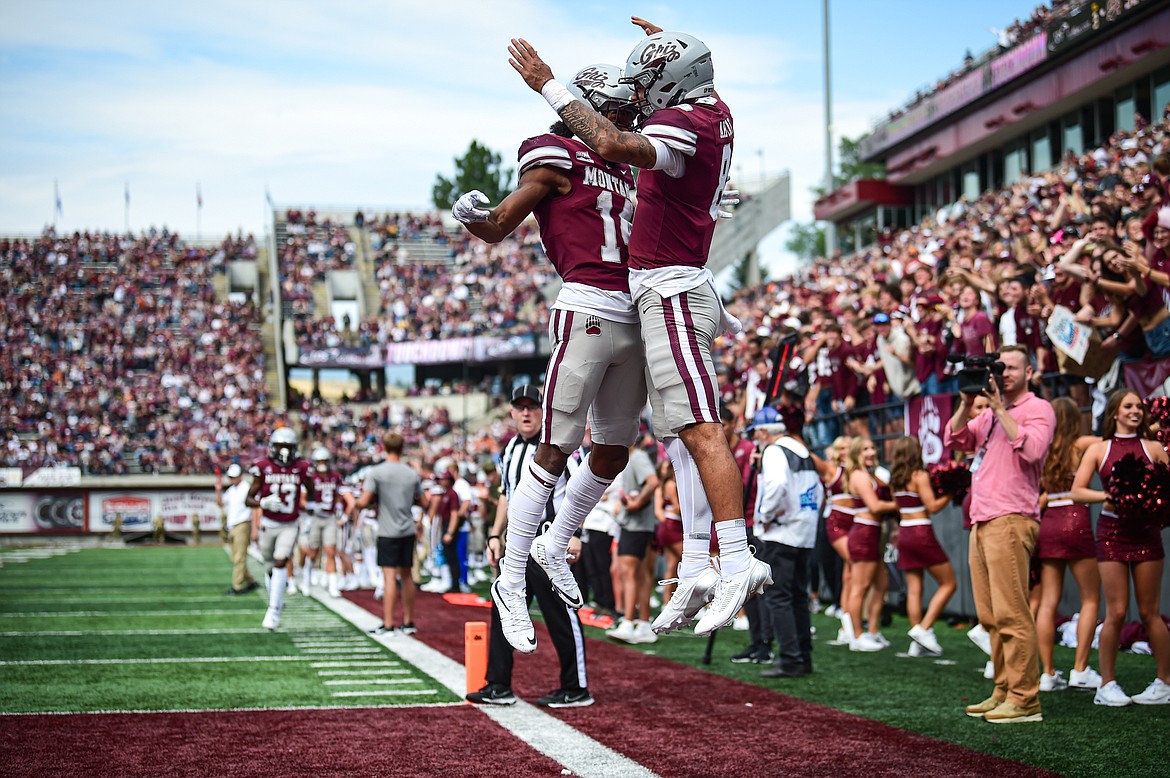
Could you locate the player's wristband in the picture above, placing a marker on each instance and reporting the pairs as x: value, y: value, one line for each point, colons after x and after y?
x: 556, y: 94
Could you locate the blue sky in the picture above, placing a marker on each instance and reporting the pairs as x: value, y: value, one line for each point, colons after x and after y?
x: 362, y: 103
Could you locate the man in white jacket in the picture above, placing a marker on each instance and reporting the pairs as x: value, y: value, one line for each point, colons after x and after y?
x: 788, y: 501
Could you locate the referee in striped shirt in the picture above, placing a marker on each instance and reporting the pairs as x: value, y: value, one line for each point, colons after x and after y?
x: 563, y: 625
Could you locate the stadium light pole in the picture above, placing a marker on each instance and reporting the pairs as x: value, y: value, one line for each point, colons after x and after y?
x: 830, y: 229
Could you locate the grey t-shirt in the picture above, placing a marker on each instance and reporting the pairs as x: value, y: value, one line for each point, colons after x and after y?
x: 397, y: 487
x: 633, y: 479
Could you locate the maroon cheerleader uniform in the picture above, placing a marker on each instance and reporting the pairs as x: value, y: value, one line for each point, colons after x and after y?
x: 918, y: 548
x: 842, y: 506
x: 669, y: 530
x: 1066, y: 530
x: 1127, y: 538
x: 865, y: 535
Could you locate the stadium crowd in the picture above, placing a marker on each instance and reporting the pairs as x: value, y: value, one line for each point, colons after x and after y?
x: 115, y: 350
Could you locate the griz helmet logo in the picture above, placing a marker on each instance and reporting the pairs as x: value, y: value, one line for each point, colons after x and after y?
x: 657, y: 53
x: 590, y: 78
x: 593, y: 326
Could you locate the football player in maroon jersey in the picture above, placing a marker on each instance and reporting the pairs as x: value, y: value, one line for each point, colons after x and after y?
x: 322, y: 528
x: 596, y: 373
x: 281, y: 484
x: 683, y: 148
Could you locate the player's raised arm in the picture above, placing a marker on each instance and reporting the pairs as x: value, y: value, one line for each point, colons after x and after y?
x: 594, y: 130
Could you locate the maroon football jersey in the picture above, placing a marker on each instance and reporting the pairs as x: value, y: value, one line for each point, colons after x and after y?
x: 585, y: 232
x: 285, y: 481
x: 328, y: 487
x: 676, y: 216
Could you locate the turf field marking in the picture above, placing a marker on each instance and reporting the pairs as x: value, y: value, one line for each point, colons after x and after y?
x: 81, y: 598
x: 154, y: 660
x: 386, y: 671
x: 367, y: 663
x: 231, y: 710
x: 74, y: 614
x: 577, y: 752
x: 363, y: 650
x: 68, y: 633
x: 369, y: 681
x: 388, y: 693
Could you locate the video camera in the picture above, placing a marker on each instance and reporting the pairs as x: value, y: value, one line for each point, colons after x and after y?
x: 975, y: 377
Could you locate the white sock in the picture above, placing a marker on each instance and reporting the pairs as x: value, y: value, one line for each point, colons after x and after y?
x: 582, y: 494
x: 276, y: 591
x: 331, y: 578
x: 694, y: 508
x: 370, y: 560
x: 307, y: 572
x: 734, y: 556
x: 526, y: 510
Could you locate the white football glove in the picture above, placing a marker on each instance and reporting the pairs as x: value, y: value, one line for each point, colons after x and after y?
x: 272, y: 503
x: 466, y: 209
x: 727, y: 199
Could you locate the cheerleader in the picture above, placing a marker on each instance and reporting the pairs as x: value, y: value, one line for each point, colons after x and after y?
x: 918, y: 549
x: 669, y: 535
x: 865, y: 548
x: 840, y: 518
x: 1066, y: 541
x: 1127, y: 544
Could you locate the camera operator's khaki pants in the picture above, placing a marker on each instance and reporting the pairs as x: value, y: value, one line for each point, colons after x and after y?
x: 239, y: 537
x: 1000, y: 551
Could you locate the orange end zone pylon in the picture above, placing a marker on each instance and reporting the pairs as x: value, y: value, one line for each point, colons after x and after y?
x: 475, y: 654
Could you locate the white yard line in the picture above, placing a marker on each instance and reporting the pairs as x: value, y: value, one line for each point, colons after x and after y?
x: 551, y: 736
x: 72, y: 633
x: 154, y: 661
x: 386, y: 671
x: 369, y: 681
x: 67, y: 614
x: 388, y: 693
x: 234, y: 710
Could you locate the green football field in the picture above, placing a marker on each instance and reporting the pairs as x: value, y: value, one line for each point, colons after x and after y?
x: 149, y: 629
x: 125, y: 629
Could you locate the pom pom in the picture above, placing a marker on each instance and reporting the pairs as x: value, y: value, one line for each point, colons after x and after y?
x: 1126, y: 484
x: 1158, y: 414
x: 950, y: 478
x: 1156, y: 494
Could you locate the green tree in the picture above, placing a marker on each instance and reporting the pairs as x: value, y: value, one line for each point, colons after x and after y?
x: 739, y: 274
x: 807, y: 241
x: 478, y: 169
x: 852, y: 167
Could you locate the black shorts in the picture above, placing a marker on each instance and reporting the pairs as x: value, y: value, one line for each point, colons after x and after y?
x: 396, y: 552
x: 633, y: 543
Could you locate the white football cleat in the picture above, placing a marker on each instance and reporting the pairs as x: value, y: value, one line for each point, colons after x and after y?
x: 515, y: 622
x: 688, y: 599
x: 559, y: 574
x: 271, y: 619
x: 734, y: 591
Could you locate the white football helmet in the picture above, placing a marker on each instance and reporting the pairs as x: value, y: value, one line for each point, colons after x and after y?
x: 601, y: 86
x: 321, y: 457
x: 670, y: 67
x: 282, y: 446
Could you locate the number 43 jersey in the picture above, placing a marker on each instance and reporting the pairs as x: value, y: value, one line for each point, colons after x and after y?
x: 585, y: 231
x: 286, y: 482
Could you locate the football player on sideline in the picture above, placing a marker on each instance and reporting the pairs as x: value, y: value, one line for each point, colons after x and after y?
x: 683, y: 148
x: 281, y: 483
x: 596, y: 372
x: 322, y: 528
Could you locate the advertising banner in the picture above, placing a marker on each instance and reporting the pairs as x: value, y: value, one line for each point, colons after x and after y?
x: 180, y: 509
x: 16, y: 512
x: 134, y: 509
